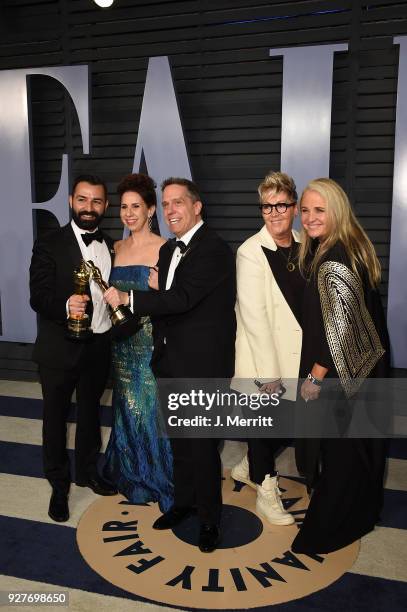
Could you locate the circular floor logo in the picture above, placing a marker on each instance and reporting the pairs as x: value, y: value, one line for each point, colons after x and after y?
x: 117, y: 540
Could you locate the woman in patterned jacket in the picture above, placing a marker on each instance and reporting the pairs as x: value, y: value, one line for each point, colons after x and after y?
x: 345, y: 342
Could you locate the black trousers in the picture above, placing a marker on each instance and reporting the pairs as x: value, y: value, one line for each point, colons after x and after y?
x: 88, y: 378
x: 197, y: 465
x: 198, y: 477
x: 261, y: 453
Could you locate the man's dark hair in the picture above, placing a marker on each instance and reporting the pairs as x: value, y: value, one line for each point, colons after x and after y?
x: 141, y: 184
x: 191, y: 187
x: 92, y: 179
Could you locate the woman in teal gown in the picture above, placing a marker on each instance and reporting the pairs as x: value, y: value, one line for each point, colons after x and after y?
x: 138, y: 458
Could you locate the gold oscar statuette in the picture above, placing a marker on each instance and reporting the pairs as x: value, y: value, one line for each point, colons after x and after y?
x: 78, y: 326
x: 121, y: 317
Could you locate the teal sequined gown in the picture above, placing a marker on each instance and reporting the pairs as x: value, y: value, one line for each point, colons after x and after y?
x: 138, y: 461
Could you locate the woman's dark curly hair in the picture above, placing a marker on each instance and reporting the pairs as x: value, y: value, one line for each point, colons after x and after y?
x: 141, y: 184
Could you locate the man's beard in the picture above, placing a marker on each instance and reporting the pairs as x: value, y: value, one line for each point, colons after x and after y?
x: 86, y: 224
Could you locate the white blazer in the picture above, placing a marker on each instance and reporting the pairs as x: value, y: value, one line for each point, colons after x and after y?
x: 269, y: 337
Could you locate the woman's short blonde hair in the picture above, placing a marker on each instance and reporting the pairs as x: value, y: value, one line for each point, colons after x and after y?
x: 277, y: 182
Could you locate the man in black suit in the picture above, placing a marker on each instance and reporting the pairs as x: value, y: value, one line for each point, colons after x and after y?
x: 194, y: 337
x: 68, y: 365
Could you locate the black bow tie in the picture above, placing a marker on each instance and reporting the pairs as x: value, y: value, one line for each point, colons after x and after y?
x: 173, y: 243
x: 90, y: 237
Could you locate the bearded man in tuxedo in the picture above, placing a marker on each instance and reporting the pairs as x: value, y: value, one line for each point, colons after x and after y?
x: 67, y: 365
x: 194, y: 330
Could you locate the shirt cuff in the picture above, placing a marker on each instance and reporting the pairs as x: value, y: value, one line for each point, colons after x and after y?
x: 131, y: 301
x: 67, y: 308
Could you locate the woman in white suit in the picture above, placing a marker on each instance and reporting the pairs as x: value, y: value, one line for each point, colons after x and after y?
x: 269, y: 336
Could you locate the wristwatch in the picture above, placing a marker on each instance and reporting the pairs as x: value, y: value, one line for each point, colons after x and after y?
x: 315, y: 381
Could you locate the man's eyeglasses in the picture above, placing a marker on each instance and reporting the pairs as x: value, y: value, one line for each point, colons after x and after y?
x: 280, y: 207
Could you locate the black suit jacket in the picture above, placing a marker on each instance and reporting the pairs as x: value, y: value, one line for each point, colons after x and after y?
x: 194, y: 321
x: 55, y: 256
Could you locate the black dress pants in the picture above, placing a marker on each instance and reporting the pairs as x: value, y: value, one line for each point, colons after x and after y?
x: 261, y: 452
x: 198, y: 477
x: 88, y: 378
x: 197, y: 465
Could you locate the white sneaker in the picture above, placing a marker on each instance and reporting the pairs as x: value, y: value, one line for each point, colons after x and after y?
x: 240, y: 472
x: 269, y: 505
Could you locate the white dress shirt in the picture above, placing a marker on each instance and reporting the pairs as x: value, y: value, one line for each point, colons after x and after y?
x: 177, y: 255
x: 176, y: 258
x: 99, y: 254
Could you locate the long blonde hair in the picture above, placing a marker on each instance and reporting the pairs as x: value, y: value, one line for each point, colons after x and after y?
x: 342, y: 226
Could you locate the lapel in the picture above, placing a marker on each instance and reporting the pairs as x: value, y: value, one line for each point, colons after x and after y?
x: 269, y: 248
x: 164, y: 260
x: 74, y: 258
x: 166, y: 256
x: 110, y: 246
x: 195, y: 240
x: 74, y: 255
x: 74, y: 250
x: 266, y: 239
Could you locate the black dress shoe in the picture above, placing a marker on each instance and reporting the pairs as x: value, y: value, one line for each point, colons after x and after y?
x: 98, y: 485
x: 172, y: 517
x: 58, y: 506
x: 209, y: 538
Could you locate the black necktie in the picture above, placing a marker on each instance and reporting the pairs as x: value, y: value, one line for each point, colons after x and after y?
x: 173, y: 243
x: 90, y: 237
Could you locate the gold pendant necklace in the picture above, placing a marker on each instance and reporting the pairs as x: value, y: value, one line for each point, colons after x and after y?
x: 289, y: 264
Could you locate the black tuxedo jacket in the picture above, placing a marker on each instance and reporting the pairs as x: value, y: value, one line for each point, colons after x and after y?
x: 194, y: 322
x: 55, y: 256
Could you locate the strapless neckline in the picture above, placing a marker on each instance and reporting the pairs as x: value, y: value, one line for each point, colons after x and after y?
x: 132, y: 266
